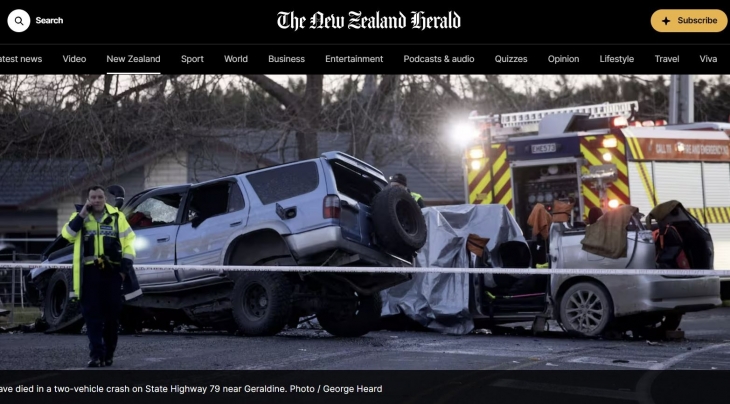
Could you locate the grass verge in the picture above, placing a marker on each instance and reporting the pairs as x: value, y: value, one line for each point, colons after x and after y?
x: 21, y: 315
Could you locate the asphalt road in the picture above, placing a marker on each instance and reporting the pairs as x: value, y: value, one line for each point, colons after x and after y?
x: 706, y: 346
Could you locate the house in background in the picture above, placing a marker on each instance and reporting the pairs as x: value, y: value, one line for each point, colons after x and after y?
x: 37, y: 198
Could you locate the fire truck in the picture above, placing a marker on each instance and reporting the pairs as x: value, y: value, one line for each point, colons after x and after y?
x: 601, y: 156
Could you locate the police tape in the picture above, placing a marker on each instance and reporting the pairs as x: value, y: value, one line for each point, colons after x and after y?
x: 403, y: 270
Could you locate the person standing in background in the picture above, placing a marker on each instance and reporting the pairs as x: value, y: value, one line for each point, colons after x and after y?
x: 401, y: 181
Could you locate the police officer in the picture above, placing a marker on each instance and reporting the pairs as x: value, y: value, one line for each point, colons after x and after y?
x: 103, y: 271
x: 401, y: 181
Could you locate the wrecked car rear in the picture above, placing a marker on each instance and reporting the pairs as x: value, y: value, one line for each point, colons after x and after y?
x: 643, y: 304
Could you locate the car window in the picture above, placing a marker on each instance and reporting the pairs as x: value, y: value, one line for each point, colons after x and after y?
x: 159, y: 210
x: 235, y: 199
x: 285, y: 182
x: 214, y: 199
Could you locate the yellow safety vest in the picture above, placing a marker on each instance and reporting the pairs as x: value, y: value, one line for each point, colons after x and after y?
x: 416, y: 196
x: 111, y: 237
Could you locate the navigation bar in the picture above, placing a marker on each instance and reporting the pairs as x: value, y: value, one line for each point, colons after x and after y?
x: 349, y: 59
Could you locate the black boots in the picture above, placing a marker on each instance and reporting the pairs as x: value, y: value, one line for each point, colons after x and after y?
x: 96, y: 363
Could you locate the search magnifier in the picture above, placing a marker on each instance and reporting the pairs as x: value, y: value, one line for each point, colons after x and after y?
x: 18, y: 20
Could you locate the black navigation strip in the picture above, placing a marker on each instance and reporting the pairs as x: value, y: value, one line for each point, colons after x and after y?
x: 369, y: 23
x: 351, y: 59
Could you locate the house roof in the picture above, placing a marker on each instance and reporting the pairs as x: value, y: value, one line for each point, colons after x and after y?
x: 432, y: 170
x: 21, y: 181
x: 26, y: 184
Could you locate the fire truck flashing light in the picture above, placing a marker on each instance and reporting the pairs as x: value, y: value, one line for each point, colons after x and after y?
x: 610, y: 143
x: 648, y: 124
x: 476, y: 153
x: 465, y: 133
x: 620, y: 122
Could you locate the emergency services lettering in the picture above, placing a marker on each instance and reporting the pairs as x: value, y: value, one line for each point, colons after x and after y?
x: 715, y: 149
x: 701, y: 149
x: 692, y: 149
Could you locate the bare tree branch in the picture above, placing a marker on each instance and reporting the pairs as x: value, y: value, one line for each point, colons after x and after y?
x: 446, y: 87
x: 284, y: 96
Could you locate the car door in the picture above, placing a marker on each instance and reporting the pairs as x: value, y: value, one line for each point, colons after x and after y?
x: 215, y: 211
x: 155, y: 219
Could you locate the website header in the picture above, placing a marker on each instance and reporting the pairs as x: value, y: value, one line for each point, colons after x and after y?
x: 504, y: 23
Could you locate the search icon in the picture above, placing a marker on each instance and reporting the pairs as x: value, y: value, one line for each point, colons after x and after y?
x: 18, y: 20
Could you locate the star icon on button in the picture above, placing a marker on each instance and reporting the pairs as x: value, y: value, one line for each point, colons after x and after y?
x: 666, y: 20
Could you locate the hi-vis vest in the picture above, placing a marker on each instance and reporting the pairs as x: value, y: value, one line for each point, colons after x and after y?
x: 111, y: 237
x: 416, y: 196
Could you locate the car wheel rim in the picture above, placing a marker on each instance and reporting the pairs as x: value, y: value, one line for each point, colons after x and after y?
x: 406, y: 218
x: 584, y: 311
x: 255, y: 302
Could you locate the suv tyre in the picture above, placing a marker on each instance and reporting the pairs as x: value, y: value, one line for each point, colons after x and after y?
x: 262, y: 303
x: 398, y: 221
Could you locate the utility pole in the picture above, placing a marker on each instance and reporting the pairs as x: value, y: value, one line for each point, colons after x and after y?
x: 681, y: 99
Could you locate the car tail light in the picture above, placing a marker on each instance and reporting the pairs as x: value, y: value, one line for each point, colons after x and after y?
x: 331, y: 207
x: 648, y: 123
x: 660, y: 122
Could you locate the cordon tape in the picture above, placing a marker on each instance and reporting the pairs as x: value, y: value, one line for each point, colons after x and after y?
x: 404, y: 270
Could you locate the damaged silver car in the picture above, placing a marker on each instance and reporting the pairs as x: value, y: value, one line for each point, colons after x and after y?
x: 487, y: 236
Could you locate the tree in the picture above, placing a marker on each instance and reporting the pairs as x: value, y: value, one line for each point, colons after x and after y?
x: 97, y: 118
x: 305, y: 111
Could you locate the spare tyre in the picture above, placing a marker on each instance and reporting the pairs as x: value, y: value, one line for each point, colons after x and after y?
x: 398, y: 221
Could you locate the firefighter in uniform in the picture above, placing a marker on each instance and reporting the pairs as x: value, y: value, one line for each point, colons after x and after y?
x: 401, y: 181
x: 103, y: 273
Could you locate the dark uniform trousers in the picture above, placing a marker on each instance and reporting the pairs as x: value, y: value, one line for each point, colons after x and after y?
x: 101, y: 306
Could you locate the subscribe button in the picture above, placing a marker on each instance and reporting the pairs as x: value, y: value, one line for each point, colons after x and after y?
x: 689, y: 20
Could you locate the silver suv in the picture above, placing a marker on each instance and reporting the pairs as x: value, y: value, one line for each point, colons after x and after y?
x: 331, y: 211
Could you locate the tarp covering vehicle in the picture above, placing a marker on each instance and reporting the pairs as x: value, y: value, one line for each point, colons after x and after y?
x: 441, y: 301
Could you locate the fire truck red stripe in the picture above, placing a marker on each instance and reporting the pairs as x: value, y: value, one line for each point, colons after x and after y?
x: 506, y: 188
x: 482, y: 173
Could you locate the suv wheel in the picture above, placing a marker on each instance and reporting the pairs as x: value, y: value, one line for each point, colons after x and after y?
x: 262, y: 303
x: 352, y: 320
x: 398, y: 221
